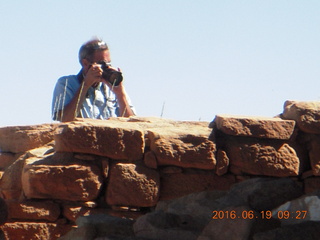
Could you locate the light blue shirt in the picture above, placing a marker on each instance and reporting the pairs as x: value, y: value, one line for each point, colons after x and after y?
x: 100, y: 102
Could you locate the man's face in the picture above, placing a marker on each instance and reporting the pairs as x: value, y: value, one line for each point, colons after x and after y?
x: 98, y: 56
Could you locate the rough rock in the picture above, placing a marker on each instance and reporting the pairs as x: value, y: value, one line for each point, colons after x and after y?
x: 303, y: 231
x: 259, y: 127
x: 10, y: 183
x: 305, y: 208
x: 311, y: 184
x: 314, y: 153
x: 176, y: 185
x: 262, y: 194
x: 183, y: 144
x: 33, y: 210
x: 227, y: 228
x: 132, y: 185
x: 187, y: 152
x: 23, y: 138
x: 6, y: 159
x: 32, y: 231
x: 74, y: 182
x: 113, y: 139
x: 266, y: 158
x: 100, y: 225
x: 163, y: 225
x: 199, y: 205
x: 150, y: 160
x: 3, y: 211
x: 222, y: 163
x: 306, y: 115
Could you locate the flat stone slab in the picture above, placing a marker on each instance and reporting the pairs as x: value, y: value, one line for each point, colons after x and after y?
x: 259, y: 127
x: 178, y: 143
x: 19, y: 139
x: 113, y: 139
x: 306, y: 114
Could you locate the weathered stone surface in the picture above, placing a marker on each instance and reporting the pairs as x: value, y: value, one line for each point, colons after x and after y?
x: 132, y: 185
x: 311, y: 184
x: 34, y: 231
x: 6, y: 159
x: 306, y: 115
x: 227, y: 228
x: 150, y: 160
x: 163, y: 225
x: 33, y: 210
x: 72, y: 212
x: 10, y: 183
x: 100, y: 226
x: 262, y: 158
x: 262, y: 194
x: 113, y: 139
x: 314, y: 153
x: 199, y: 205
x: 259, y: 127
x: 74, y: 182
x: 3, y: 211
x: 179, y: 184
x: 183, y: 144
x: 303, y: 231
x: 305, y: 208
x: 22, y: 138
x: 222, y: 163
x: 189, y: 152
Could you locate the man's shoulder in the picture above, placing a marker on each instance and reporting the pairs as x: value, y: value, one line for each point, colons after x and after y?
x: 71, y: 78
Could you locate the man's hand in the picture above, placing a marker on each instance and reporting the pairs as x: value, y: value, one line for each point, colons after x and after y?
x: 93, y: 76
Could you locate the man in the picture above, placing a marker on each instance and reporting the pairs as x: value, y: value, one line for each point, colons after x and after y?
x: 88, y: 94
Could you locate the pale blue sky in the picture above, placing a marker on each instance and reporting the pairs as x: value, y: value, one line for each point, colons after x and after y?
x: 201, y: 58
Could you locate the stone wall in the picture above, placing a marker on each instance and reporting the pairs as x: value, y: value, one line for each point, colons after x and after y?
x: 53, y: 174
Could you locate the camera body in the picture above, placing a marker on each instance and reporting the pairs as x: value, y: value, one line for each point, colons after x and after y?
x: 109, y: 74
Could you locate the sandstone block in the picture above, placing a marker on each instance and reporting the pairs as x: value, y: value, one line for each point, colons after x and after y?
x: 262, y: 158
x: 31, y: 231
x: 150, y: 160
x: 113, y: 139
x: 132, y: 185
x: 306, y: 114
x: 33, y: 210
x: 179, y: 184
x: 222, y: 163
x: 259, y: 127
x: 3, y: 211
x: 314, y: 153
x: 189, y: 152
x: 6, y: 159
x: 72, y: 182
x: 183, y: 144
x: 10, y: 184
x: 22, y: 138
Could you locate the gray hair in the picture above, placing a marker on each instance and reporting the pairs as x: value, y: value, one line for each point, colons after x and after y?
x: 88, y: 49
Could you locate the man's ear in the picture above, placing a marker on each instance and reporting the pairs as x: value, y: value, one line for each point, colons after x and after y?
x: 85, y: 63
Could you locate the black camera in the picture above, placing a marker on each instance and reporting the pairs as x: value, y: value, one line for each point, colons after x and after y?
x: 112, y: 76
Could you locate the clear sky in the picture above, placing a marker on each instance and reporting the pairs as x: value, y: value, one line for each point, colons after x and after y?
x: 184, y: 59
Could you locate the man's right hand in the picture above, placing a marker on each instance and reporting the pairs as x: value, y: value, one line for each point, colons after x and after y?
x: 93, y: 76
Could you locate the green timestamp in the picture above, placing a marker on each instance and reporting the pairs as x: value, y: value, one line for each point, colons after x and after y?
x: 250, y: 214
